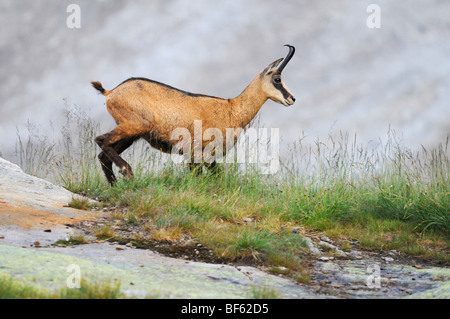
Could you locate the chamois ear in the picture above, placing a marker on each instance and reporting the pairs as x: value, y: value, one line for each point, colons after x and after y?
x: 271, y: 66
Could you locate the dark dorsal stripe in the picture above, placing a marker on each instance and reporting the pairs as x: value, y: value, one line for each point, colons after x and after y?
x: 171, y: 87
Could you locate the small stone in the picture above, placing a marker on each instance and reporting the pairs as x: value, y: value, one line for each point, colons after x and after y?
x: 313, y: 249
x: 355, y: 255
x: 387, y: 259
x: 129, y: 245
x: 247, y: 220
x: 47, y: 230
x: 282, y: 269
x: 327, y: 246
x: 120, y: 248
x: 336, y: 285
x: 356, y: 287
x: 393, y: 253
x: 295, y: 230
x: 417, y: 267
x: 326, y: 258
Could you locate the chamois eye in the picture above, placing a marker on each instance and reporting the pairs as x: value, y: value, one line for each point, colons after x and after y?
x: 277, y: 80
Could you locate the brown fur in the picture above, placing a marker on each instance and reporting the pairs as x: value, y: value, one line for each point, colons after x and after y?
x: 147, y: 109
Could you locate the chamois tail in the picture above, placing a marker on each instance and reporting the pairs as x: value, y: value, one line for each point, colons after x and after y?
x: 98, y: 86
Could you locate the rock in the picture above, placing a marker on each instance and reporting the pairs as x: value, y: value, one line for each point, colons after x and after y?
x: 282, y: 269
x: 439, y: 292
x: 355, y: 255
x: 388, y: 259
x: 323, y: 258
x: 327, y: 246
x: 313, y: 249
x: 325, y: 238
x: 336, y: 285
x: 393, y: 253
x: 34, y: 204
x: 151, y: 273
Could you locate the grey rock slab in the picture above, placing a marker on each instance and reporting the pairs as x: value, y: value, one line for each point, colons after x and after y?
x: 35, y: 210
x: 141, y: 272
x: 19, y: 188
x: 368, y: 279
x: 313, y: 249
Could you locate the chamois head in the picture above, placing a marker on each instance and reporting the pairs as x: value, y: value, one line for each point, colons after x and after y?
x: 272, y: 84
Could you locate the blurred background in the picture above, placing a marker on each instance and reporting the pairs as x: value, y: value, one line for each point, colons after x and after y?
x: 344, y: 75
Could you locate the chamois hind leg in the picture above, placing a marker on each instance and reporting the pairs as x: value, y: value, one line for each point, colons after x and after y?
x: 112, y: 144
x: 213, y: 168
x: 107, y: 162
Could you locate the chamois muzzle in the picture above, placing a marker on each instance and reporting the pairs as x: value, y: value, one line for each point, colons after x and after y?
x: 290, y: 100
x: 287, y: 58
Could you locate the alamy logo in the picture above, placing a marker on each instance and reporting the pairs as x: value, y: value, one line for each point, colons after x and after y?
x: 74, y: 19
x: 209, y: 146
x: 374, y: 19
x: 74, y: 279
x: 374, y: 279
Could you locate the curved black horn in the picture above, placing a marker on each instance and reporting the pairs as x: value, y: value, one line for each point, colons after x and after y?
x: 287, y: 58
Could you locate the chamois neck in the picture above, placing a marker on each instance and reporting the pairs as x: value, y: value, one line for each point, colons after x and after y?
x: 245, y: 106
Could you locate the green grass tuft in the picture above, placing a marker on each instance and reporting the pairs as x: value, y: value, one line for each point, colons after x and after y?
x: 11, y: 289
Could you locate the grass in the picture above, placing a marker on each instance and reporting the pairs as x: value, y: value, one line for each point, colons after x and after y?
x: 73, y: 240
x: 385, y: 196
x: 264, y: 293
x: 80, y: 203
x: 11, y: 289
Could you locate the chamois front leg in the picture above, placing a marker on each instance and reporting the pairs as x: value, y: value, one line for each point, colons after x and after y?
x: 196, y: 168
x: 106, y: 164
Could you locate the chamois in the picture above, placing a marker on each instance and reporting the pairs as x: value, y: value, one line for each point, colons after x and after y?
x: 147, y: 109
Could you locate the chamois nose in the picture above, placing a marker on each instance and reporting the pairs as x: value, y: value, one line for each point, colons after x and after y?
x: 291, y: 100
